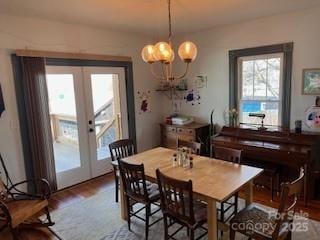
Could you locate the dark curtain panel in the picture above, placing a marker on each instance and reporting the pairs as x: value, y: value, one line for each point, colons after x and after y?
x: 34, y: 88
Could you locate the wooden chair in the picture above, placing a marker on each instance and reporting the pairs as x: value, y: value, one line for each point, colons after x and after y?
x: 17, y: 207
x: 258, y: 223
x: 234, y: 156
x: 120, y: 149
x: 178, y: 206
x: 138, y: 190
x: 194, y: 146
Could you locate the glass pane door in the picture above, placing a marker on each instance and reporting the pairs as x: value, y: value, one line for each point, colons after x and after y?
x: 68, y: 125
x: 104, y: 114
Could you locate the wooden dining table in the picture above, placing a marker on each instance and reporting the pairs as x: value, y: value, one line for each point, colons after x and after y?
x: 213, y: 180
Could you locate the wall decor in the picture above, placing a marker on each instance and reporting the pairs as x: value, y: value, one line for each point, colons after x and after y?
x: 144, y: 101
x: 311, y: 81
x: 192, y: 96
x: 313, y: 118
x: 2, y: 107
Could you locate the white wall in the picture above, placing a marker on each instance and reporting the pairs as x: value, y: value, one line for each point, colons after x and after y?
x: 302, y: 28
x: 18, y: 32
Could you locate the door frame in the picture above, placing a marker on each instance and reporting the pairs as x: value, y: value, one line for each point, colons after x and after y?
x: 23, y: 118
x: 128, y: 70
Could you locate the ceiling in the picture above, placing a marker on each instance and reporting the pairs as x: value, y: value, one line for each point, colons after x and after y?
x: 150, y: 16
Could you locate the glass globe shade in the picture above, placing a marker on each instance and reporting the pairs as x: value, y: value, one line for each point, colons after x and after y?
x: 147, y: 54
x: 171, y: 57
x: 187, y: 51
x: 163, y: 52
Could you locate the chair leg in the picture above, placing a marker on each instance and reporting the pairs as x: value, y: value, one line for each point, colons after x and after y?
x: 232, y: 234
x: 289, y: 236
x: 117, y: 188
x: 272, y: 190
x: 50, y: 223
x: 191, y: 237
x: 165, y: 221
x: 222, y: 212
x: 14, y: 234
x: 129, y: 213
x: 148, y: 211
x: 236, y: 197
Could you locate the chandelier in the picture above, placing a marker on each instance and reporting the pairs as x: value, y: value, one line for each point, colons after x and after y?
x: 163, y: 53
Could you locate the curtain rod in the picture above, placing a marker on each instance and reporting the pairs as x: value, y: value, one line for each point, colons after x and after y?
x: 69, y: 55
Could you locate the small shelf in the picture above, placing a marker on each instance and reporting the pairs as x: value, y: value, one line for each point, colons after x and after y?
x: 173, y: 93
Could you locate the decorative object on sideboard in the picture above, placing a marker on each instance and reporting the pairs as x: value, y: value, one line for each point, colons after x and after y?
x: 233, y: 117
x: 144, y: 101
x: 311, y: 81
x: 262, y: 117
x: 163, y: 53
x: 2, y: 107
x: 298, y: 126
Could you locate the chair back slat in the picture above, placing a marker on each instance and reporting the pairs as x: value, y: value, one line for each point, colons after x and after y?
x: 228, y: 154
x: 194, y: 146
x: 134, y: 180
x: 290, y: 193
x: 121, y: 149
x: 176, y: 198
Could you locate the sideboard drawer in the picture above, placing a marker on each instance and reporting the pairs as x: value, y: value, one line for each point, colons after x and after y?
x: 170, y: 129
x: 186, y: 131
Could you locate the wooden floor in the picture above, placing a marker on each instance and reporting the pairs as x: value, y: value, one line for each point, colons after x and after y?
x: 90, y: 188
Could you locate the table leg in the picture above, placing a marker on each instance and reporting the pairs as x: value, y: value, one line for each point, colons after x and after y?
x: 249, y: 193
x: 212, y: 220
x: 123, y: 203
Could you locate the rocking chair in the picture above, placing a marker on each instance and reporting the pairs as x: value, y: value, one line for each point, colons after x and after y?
x: 17, y: 207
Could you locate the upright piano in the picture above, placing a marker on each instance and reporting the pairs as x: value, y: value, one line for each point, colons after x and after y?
x: 285, y: 149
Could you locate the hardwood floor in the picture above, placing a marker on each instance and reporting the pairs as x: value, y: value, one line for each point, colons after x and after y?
x: 87, y: 189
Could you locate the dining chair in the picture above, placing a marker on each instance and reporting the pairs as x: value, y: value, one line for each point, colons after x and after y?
x: 229, y: 206
x: 194, y: 146
x: 120, y: 149
x: 179, y: 207
x: 138, y: 190
x: 19, y: 208
x: 259, y: 223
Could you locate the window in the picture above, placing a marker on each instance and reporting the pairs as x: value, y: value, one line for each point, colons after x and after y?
x: 260, y: 82
x: 260, y: 88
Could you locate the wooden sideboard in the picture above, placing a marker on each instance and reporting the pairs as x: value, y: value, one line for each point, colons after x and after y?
x: 195, y: 132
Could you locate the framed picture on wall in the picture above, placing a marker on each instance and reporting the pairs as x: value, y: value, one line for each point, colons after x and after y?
x: 311, y: 81
x: 1, y: 102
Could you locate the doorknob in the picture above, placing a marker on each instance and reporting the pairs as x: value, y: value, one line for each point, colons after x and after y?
x: 91, y: 130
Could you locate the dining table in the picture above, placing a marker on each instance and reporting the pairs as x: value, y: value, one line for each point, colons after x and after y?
x: 213, y: 180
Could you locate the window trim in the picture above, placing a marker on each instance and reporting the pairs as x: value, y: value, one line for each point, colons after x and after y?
x: 240, y: 81
x: 287, y: 50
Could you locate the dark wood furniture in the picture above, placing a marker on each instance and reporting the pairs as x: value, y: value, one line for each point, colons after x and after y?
x: 120, y: 149
x: 178, y: 206
x: 194, y: 146
x: 229, y: 206
x: 257, y: 222
x: 193, y: 132
x: 138, y: 190
x: 272, y: 149
x: 18, y: 208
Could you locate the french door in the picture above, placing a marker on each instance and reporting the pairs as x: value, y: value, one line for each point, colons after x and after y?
x: 87, y: 112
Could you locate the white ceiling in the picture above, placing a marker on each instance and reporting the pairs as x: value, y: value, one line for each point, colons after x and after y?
x: 150, y: 16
